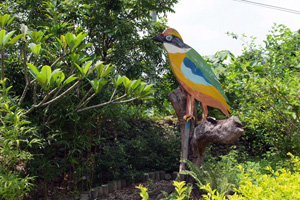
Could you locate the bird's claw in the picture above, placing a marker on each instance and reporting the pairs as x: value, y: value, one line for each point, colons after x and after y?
x: 188, y: 117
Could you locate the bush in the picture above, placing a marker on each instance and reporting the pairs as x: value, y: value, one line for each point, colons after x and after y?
x: 280, y: 184
x: 15, y: 139
x: 263, y: 85
x: 134, y: 146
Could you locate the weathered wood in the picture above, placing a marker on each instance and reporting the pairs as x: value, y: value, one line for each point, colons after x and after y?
x: 178, y: 99
x: 214, y: 131
x: 210, y: 131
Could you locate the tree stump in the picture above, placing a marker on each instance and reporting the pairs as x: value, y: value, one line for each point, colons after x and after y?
x: 211, y: 131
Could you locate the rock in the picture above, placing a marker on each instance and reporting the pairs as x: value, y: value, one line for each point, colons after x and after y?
x: 104, y: 190
x: 162, y: 175
x: 152, y: 175
x: 157, y: 176
x: 93, y: 194
x: 168, y: 177
x: 123, y: 183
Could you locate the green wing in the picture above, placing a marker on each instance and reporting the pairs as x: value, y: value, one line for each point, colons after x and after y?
x: 195, y: 57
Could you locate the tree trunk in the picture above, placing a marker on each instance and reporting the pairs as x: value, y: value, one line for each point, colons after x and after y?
x: 211, y: 131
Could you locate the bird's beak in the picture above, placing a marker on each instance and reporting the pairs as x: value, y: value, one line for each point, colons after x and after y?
x: 158, y: 38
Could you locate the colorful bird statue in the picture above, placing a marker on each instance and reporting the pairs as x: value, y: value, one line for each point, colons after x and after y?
x: 194, y: 75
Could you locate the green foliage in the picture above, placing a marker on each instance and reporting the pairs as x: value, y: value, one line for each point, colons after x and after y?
x: 143, y: 193
x: 223, y: 175
x: 263, y: 86
x: 60, y: 76
x: 134, y: 146
x: 279, y: 184
x: 5, y: 20
x: 14, y: 143
x: 183, y: 192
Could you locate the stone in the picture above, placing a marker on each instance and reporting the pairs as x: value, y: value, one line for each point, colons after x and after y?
x: 162, y: 175
x: 157, y: 176
x: 84, y: 196
x: 104, y: 190
x: 112, y: 186
x: 146, y: 175
x: 93, y: 194
x: 123, y: 183
x: 168, y: 177
x: 152, y: 175
x: 100, y: 190
x: 119, y: 184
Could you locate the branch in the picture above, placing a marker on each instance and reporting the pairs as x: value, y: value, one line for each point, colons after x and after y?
x: 85, y: 96
x: 62, y: 94
x: 26, y: 77
x: 80, y: 105
x: 40, y: 104
x: 58, y: 59
x: 115, y: 101
x: 2, y: 66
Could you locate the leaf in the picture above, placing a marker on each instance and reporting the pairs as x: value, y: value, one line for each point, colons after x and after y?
x: 5, y: 20
x: 2, y: 36
x: 14, y: 40
x: 33, y: 70
x: 119, y: 80
x: 70, y: 79
x: 144, y: 94
x: 56, y: 76
x: 106, y: 70
x: 46, y: 71
x: 60, y: 78
x: 79, y: 39
x: 101, y: 83
x: 126, y: 82
x: 134, y: 84
x: 10, y: 21
x: 86, y: 67
x: 94, y: 84
x: 147, y: 88
x: 31, y: 46
x: 83, y: 46
x: 7, y: 37
x: 70, y: 40
x: 37, y: 49
x: 79, y: 68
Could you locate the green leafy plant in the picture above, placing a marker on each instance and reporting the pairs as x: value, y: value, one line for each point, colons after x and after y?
x: 223, y: 175
x: 14, y: 143
x: 280, y: 184
x: 143, y: 193
x: 263, y: 86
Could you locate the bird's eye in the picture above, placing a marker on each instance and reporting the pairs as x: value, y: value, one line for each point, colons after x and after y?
x: 169, y: 37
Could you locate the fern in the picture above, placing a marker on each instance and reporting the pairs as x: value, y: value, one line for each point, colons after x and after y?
x: 223, y: 176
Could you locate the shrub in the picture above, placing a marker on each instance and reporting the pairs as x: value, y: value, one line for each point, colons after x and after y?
x: 14, y: 142
x: 280, y: 184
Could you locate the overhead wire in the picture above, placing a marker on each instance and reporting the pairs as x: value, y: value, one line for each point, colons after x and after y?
x: 270, y: 6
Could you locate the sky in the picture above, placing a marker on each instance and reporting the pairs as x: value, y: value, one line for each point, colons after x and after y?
x: 203, y: 23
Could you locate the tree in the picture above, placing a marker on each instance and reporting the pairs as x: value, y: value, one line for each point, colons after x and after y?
x: 59, y: 80
x: 263, y: 84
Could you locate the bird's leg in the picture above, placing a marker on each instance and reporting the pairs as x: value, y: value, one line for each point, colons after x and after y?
x: 204, y: 113
x: 189, y: 108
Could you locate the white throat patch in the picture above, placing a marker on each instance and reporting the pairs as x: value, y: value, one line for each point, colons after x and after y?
x: 174, y: 49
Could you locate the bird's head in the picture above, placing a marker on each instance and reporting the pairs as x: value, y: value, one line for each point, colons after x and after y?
x: 172, y: 41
